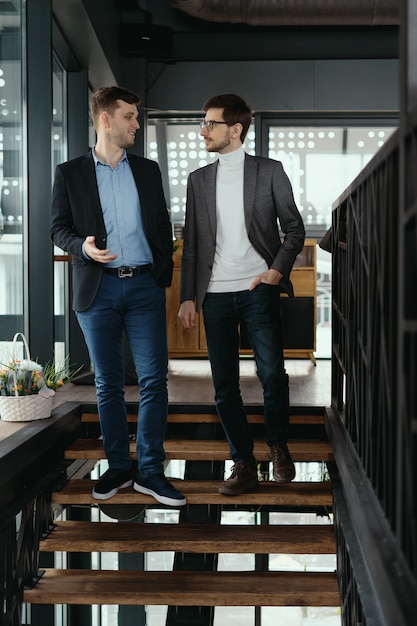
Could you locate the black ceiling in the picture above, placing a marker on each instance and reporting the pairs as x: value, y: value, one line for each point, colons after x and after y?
x: 194, y: 39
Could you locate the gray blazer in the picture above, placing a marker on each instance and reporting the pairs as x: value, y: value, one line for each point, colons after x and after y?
x: 268, y: 198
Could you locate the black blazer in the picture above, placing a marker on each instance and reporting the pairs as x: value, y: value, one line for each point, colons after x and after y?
x: 77, y: 213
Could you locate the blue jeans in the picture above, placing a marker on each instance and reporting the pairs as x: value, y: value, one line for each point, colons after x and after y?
x: 260, y: 311
x: 137, y: 306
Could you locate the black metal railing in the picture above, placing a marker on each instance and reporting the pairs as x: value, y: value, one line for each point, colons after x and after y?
x: 31, y: 466
x: 374, y: 358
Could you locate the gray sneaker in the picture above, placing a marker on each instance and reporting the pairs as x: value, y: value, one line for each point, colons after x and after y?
x: 243, y: 478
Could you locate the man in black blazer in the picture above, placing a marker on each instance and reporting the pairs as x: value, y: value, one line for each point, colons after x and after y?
x: 234, y: 266
x: 110, y: 214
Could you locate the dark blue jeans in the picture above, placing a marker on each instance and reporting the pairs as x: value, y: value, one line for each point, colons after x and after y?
x: 136, y: 305
x: 260, y: 311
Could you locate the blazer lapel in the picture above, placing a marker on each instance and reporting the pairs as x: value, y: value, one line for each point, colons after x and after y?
x: 249, y: 187
x: 209, y: 184
x: 89, y: 171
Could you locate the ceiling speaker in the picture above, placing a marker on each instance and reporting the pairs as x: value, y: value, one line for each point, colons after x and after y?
x: 146, y: 40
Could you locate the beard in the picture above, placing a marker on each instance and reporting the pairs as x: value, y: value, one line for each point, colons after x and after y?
x: 219, y: 145
x: 123, y: 140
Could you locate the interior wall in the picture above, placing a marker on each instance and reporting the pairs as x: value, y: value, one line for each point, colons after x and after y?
x: 325, y: 85
x: 276, y: 68
x: 327, y: 74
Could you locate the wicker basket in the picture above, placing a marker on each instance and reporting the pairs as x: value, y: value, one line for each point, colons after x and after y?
x: 24, y: 408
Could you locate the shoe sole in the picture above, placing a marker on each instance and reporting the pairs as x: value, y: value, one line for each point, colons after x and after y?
x: 284, y: 480
x: 250, y: 486
x: 110, y: 494
x: 158, y: 497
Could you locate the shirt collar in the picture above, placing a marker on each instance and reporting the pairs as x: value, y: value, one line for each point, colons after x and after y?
x: 97, y: 160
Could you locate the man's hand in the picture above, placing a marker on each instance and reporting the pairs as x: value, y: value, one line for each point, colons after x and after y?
x: 94, y: 253
x: 271, y: 277
x: 187, y: 314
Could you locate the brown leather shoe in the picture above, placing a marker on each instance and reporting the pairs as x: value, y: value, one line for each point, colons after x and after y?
x: 243, y: 478
x: 283, y: 469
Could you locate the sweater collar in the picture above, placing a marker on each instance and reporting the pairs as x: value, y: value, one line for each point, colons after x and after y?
x: 232, y: 159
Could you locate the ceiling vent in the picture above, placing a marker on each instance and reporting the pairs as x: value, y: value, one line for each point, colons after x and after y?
x: 294, y: 12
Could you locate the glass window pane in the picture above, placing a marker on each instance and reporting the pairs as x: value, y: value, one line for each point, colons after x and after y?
x: 58, y: 135
x: 59, y: 154
x: 180, y: 146
x: 12, y: 170
x: 321, y: 162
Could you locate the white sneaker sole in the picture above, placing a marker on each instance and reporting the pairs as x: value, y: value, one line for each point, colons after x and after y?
x: 158, y: 497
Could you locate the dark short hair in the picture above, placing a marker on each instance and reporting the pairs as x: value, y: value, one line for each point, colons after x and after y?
x: 236, y: 110
x: 105, y: 99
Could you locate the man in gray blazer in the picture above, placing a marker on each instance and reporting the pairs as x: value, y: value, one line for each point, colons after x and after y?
x: 110, y: 214
x: 234, y: 266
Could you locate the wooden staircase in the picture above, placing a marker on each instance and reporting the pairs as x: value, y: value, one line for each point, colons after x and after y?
x: 195, y: 588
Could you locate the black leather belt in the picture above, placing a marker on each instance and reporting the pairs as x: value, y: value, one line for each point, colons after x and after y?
x: 128, y: 272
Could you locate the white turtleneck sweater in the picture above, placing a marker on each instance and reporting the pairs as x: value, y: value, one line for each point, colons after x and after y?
x: 236, y: 262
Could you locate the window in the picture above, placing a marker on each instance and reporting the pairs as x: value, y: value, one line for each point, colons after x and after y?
x: 59, y: 154
x: 12, y: 173
x: 179, y: 144
x: 320, y: 161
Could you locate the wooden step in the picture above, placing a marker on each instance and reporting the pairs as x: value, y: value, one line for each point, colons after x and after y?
x: 302, y: 494
x: 77, y: 536
x: 212, y: 418
x: 185, y: 588
x: 207, y: 449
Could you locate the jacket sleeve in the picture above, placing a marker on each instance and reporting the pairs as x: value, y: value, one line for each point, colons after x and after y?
x: 189, y: 253
x: 290, y: 222
x: 163, y: 217
x: 62, y: 228
x: 72, y: 217
x: 155, y: 215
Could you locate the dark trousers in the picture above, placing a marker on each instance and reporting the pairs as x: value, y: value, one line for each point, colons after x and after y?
x: 260, y: 311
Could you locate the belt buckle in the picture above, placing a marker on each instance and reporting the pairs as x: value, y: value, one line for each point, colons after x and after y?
x: 125, y: 272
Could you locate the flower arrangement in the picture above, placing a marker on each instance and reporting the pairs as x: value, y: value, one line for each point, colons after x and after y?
x: 24, y: 377
x: 26, y: 388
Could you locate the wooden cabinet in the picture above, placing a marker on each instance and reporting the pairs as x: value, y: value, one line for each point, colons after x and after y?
x: 181, y: 342
x: 299, y: 313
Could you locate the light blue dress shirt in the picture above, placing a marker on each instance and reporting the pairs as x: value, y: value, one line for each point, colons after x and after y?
x: 122, y: 213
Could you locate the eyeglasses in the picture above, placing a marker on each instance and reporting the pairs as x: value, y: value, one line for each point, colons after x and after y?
x: 209, y: 124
